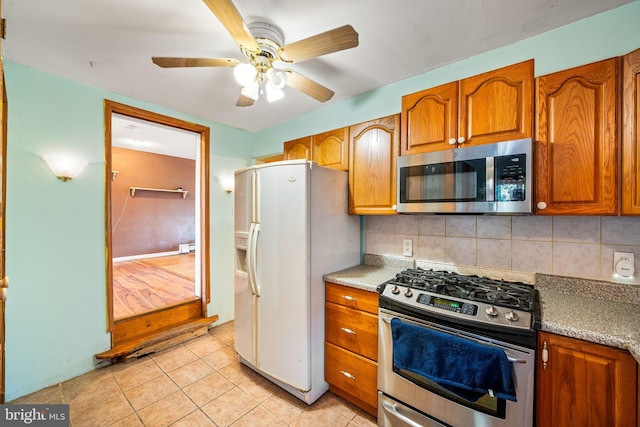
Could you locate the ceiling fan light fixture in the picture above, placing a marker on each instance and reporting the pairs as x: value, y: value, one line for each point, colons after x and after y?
x: 274, y: 93
x: 276, y: 78
x: 245, y: 74
x: 252, y: 90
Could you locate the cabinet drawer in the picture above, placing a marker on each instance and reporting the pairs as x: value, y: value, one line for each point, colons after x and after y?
x: 352, y: 329
x: 354, y: 374
x: 352, y: 297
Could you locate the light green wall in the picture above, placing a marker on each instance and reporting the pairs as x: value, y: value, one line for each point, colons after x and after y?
x: 56, y: 315
x: 609, y: 34
x: 55, y: 231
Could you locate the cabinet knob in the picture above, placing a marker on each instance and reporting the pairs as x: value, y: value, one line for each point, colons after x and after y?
x: 348, y: 331
x: 461, y: 140
x: 541, y: 205
x: 452, y: 141
x: 545, y: 355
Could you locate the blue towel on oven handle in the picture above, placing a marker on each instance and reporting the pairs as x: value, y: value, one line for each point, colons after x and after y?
x: 462, y: 366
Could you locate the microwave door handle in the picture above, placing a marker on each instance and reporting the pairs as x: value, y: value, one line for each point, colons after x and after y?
x: 490, y: 180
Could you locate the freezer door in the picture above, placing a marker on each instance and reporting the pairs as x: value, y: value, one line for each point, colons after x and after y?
x: 283, y: 275
x: 244, y: 299
x: 242, y: 203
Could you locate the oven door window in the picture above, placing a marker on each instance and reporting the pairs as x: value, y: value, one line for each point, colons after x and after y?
x: 487, y: 404
x: 460, y: 181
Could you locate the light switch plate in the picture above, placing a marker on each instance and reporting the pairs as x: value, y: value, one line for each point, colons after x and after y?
x: 407, y: 247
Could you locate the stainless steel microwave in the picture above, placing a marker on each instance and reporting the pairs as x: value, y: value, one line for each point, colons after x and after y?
x: 484, y: 179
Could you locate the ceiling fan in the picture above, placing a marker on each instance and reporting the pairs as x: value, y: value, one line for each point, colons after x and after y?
x: 262, y: 45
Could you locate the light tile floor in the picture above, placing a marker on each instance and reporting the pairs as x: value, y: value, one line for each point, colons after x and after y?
x: 199, y: 383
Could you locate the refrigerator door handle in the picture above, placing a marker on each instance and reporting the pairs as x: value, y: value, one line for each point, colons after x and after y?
x: 256, y: 197
x: 254, y: 259
x: 250, y: 258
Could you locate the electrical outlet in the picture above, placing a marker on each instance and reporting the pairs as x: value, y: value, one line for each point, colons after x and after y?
x: 407, y: 247
x: 623, y: 264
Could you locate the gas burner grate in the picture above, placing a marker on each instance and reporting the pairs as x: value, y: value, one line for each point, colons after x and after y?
x: 475, y: 288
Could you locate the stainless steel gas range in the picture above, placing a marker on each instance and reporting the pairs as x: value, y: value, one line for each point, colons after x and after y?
x: 456, y: 350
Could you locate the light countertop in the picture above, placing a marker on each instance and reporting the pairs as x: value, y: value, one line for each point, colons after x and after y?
x: 600, y: 312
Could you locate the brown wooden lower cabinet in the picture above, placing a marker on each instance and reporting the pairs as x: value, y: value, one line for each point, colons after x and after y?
x: 585, y: 384
x: 351, y: 345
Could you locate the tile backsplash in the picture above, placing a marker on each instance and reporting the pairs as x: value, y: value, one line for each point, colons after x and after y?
x: 562, y: 245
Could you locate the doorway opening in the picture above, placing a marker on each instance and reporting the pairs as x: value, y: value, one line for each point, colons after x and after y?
x: 157, y: 223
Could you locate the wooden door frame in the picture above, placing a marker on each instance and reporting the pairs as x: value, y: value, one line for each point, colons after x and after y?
x: 157, y: 321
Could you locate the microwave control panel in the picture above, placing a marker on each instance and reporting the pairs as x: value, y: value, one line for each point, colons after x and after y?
x: 511, y: 174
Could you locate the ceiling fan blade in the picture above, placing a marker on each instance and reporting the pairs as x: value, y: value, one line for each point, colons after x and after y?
x: 230, y: 18
x: 194, y: 62
x: 308, y: 86
x: 244, y: 101
x: 321, y: 44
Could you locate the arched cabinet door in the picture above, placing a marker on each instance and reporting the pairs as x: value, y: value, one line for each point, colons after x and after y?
x: 298, y: 149
x: 373, y: 153
x: 631, y: 134
x: 577, y: 141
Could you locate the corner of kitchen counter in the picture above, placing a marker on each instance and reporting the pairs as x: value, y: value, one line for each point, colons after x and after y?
x: 375, y: 270
x: 592, y: 310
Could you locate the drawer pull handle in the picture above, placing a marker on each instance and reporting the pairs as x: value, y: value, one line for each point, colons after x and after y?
x: 348, y: 375
x: 349, y: 331
x: 349, y: 298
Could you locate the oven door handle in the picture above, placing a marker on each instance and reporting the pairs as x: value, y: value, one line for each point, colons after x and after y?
x: 392, y: 410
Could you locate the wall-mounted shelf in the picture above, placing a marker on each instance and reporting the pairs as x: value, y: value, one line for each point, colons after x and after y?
x: 162, y: 190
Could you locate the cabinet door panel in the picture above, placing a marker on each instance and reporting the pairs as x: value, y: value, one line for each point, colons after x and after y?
x: 429, y: 119
x: 373, y: 152
x: 331, y: 149
x: 576, y: 153
x: 497, y: 105
x: 298, y: 149
x: 630, y: 134
x: 585, y: 384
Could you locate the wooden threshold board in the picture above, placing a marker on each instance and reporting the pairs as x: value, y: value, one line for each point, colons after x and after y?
x: 157, y: 341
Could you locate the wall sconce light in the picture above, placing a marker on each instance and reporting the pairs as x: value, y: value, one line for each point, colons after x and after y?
x: 65, y: 168
x: 226, y: 182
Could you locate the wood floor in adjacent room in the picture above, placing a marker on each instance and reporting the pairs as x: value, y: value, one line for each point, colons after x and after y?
x: 144, y: 285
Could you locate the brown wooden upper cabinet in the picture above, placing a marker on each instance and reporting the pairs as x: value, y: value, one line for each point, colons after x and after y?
x: 576, y: 136
x: 491, y: 107
x: 630, y: 132
x: 298, y: 149
x: 269, y: 158
x: 331, y: 149
x: 373, y: 153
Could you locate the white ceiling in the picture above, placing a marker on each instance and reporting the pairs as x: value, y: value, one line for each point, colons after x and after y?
x: 141, y: 135
x: 109, y: 44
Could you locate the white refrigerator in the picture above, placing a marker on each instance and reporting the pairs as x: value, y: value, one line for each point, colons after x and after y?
x: 291, y: 228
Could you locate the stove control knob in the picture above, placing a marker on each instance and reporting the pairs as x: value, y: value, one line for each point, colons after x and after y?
x: 512, y: 316
x: 408, y: 293
x: 395, y: 290
x: 492, y: 311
